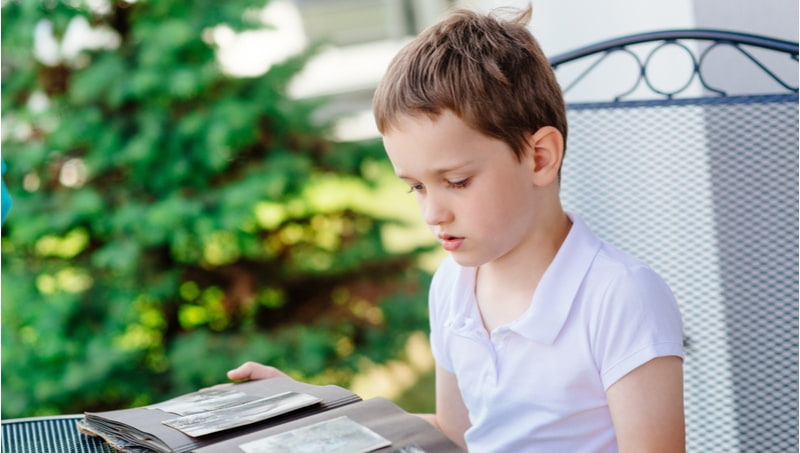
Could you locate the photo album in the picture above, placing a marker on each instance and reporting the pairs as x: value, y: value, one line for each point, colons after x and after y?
x: 267, y: 416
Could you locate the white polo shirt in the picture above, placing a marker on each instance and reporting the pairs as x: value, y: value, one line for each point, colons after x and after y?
x: 538, y: 384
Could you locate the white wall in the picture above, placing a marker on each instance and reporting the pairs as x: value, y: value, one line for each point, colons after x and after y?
x: 773, y: 18
x: 565, y: 25
x: 562, y: 25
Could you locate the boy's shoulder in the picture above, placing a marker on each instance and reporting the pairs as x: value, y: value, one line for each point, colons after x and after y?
x: 588, y: 261
x: 619, y: 281
x: 617, y: 263
x: 617, y: 285
x: 606, y: 256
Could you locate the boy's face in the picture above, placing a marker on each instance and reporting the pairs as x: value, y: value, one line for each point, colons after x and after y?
x: 476, y: 197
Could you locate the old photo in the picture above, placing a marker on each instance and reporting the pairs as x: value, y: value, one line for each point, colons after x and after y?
x: 243, y: 414
x: 203, y: 401
x: 339, y: 435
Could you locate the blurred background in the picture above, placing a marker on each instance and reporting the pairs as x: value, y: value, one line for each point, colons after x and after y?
x: 196, y: 184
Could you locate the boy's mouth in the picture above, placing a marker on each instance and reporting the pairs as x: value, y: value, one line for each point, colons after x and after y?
x: 450, y: 243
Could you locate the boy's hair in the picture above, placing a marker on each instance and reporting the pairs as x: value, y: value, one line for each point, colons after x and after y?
x: 490, y: 72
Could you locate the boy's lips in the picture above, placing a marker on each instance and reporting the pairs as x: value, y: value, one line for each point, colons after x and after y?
x: 450, y: 243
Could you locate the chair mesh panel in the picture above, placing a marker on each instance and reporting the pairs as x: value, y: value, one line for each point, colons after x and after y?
x: 706, y: 193
x: 53, y: 435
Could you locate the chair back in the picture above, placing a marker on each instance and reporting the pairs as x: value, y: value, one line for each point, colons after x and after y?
x: 699, y: 178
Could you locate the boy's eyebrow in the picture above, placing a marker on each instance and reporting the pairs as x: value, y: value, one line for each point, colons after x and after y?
x: 441, y: 170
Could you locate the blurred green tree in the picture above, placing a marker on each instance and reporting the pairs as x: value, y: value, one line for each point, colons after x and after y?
x: 171, y: 221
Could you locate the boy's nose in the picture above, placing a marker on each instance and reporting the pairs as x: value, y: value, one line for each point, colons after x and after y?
x: 436, y: 211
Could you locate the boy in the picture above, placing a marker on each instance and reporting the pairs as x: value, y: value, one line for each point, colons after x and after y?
x: 546, y: 339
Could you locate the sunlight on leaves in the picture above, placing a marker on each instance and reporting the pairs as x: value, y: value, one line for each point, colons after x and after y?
x: 221, y: 248
x: 367, y: 311
x: 46, y: 284
x: 189, y: 290
x: 210, y: 310
x: 73, y: 280
x: 269, y: 215
x: 272, y: 298
x: 193, y: 315
x: 327, y: 231
x: 67, y: 246
x: 137, y: 337
x: 292, y: 234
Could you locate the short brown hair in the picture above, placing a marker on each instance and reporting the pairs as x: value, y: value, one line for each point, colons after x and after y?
x: 490, y: 72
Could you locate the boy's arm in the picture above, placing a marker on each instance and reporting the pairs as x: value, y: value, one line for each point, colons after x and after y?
x: 451, y: 414
x: 647, y: 407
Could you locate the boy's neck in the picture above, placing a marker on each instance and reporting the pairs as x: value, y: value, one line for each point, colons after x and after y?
x: 504, y: 288
x: 533, y: 255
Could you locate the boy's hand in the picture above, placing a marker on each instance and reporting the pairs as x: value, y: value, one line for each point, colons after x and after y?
x: 252, y: 370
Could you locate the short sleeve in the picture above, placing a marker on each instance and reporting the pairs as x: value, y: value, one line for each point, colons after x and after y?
x: 639, y: 320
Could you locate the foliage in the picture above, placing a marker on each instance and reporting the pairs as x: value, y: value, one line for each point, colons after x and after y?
x: 171, y: 221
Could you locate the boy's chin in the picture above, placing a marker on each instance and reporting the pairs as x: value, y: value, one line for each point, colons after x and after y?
x: 465, y: 260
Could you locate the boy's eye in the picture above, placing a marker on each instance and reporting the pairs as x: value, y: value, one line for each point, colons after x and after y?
x: 416, y: 188
x: 459, y: 184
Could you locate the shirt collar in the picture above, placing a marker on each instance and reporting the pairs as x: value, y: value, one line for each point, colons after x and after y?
x: 559, y: 285
x: 465, y: 319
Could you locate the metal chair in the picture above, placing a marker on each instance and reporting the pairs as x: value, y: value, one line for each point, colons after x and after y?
x: 699, y: 179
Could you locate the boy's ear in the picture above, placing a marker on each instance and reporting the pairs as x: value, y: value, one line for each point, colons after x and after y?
x: 546, y: 149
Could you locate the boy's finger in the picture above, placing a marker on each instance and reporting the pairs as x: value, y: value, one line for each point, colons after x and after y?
x: 252, y: 370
